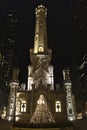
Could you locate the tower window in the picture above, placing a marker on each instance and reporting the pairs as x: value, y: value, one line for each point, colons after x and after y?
x: 40, y: 49
x: 58, y: 106
x: 36, y: 37
x: 70, y: 111
x: 23, y: 106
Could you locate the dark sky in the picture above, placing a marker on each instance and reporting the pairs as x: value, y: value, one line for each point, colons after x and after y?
x: 59, y: 30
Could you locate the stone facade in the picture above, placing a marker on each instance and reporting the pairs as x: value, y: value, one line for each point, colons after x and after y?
x: 40, y: 83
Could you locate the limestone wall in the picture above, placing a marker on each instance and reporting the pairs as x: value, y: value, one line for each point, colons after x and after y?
x: 67, y: 128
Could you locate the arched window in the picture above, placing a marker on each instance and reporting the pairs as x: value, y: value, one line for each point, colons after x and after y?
x: 23, y: 106
x: 58, y: 106
x: 40, y: 49
x: 70, y: 111
x: 36, y: 37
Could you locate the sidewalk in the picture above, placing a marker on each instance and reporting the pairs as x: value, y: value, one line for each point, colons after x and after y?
x: 4, y: 125
x: 80, y: 124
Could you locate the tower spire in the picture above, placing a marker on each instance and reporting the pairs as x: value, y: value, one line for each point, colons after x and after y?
x: 40, y: 70
x: 40, y: 39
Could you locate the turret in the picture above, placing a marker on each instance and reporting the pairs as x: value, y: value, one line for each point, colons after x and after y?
x: 40, y: 40
x: 14, y: 86
x: 69, y: 97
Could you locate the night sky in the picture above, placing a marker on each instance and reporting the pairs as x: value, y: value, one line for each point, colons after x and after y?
x: 59, y: 30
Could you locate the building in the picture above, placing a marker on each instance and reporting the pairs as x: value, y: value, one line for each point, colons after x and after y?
x: 76, y: 85
x: 7, y: 45
x: 40, y: 102
x: 5, y: 64
x: 7, y: 49
x: 83, y: 80
x: 79, y: 25
x: 83, y: 70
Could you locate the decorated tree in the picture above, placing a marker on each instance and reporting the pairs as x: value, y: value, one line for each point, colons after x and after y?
x: 42, y: 113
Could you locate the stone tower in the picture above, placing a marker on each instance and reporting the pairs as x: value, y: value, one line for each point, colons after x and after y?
x: 14, y: 86
x: 69, y: 97
x: 40, y: 71
x: 40, y: 102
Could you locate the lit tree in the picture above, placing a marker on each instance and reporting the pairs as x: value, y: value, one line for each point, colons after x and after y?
x: 42, y: 113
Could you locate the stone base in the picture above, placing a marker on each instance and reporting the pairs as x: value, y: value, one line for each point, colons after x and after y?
x: 35, y: 129
x: 66, y: 128
x: 57, y: 126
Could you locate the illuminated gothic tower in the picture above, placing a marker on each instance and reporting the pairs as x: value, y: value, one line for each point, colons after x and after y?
x: 69, y: 97
x: 40, y: 71
x: 14, y: 86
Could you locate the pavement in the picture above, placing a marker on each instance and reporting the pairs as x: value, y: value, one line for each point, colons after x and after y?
x: 78, y: 124
x: 4, y: 125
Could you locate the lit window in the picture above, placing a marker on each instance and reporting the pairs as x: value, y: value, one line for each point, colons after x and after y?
x: 10, y: 15
x: 23, y: 106
x: 69, y: 90
x: 58, y: 106
x: 41, y: 49
x: 3, y: 114
x: 36, y: 37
